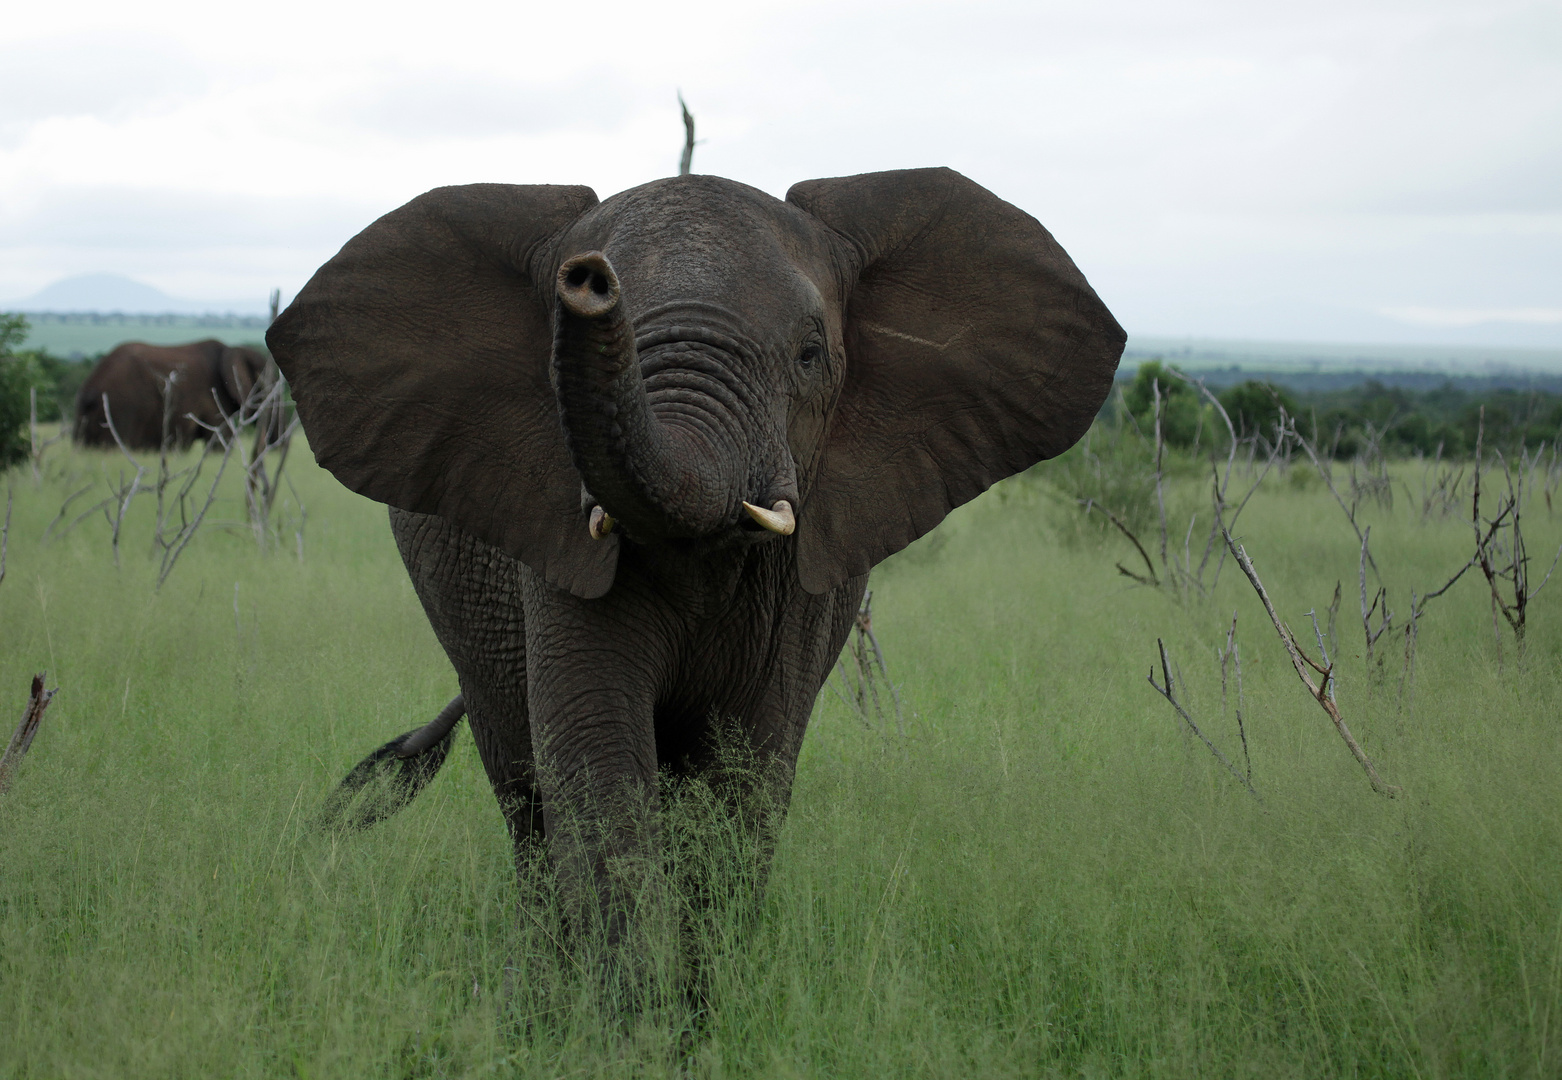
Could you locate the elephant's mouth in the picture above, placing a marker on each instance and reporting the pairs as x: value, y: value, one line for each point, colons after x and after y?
x: 778, y: 520
x: 754, y: 526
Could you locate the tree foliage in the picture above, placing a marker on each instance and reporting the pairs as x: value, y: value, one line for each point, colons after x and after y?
x: 1254, y: 407
x: 24, y: 374
x: 1182, y: 411
x: 1400, y: 421
x: 14, y: 396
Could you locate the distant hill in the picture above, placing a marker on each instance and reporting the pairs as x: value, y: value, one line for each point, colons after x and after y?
x: 115, y: 293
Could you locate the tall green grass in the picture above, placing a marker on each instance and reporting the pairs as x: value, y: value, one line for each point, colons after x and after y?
x: 1046, y: 876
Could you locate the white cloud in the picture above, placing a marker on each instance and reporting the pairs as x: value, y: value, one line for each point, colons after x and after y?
x: 1216, y: 166
x: 1423, y: 316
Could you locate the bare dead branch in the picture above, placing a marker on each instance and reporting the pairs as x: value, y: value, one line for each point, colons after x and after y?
x: 865, y: 630
x: 65, y: 509
x: 1323, y: 651
x: 1328, y: 479
x: 1378, y: 606
x: 37, y: 444
x: 174, y: 548
x: 1091, y: 504
x: 1413, y: 631
x: 1301, y: 662
x: 5, y: 532
x: 1185, y: 574
x: 1500, y: 549
x: 1334, y: 611
x: 859, y: 689
x: 1231, y: 653
x: 1169, y: 692
x: 1160, y: 452
x: 123, y: 493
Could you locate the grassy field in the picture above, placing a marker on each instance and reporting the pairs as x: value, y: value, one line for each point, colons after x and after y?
x: 1045, y: 876
x: 90, y: 335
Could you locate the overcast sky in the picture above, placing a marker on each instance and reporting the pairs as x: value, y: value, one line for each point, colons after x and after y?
x: 1369, y: 170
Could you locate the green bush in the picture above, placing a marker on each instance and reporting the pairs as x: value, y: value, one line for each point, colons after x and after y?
x: 1184, y: 418
x: 1254, y: 407
x: 26, y: 373
x: 1113, y: 467
x: 56, y: 379
x: 14, y: 397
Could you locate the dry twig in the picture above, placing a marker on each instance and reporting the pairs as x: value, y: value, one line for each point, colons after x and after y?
x: 1169, y: 692
x: 1328, y: 479
x: 1149, y: 566
x: 5, y: 531
x: 1378, y: 606
x: 49, y: 533
x: 1500, y: 551
x: 1180, y: 571
x: 1302, y: 663
x: 860, y: 688
x: 1413, y: 630
x: 1230, y: 653
x: 1441, y: 497
x: 37, y: 443
x: 123, y: 493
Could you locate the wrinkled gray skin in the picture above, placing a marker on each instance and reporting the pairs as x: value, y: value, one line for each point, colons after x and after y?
x: 495, y: 361
x: 212, y: 381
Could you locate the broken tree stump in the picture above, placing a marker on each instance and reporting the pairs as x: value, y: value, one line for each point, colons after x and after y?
x: 37, y: 702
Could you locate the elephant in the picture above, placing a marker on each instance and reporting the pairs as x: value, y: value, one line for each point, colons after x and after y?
x: 211, y: 381
x: 641, y: 454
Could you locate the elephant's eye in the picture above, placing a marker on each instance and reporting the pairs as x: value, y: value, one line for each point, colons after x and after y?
x: 809, y: 355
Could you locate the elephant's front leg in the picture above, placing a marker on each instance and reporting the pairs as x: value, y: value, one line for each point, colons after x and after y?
x: 594, y: 672
x: 471, y: 594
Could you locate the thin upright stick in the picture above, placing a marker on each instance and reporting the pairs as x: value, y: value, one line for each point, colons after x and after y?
x: 686, y: 161
x: 1230, y: 652
x: 32, y: 432
x: 1169, y: 692
x: 1301, y: 663
x: 5, y: 531
x: 123, y: 494
x: 1350, y: 515
x: 1091, y: 504
x: 865, y: 628
x: 1160, y: 447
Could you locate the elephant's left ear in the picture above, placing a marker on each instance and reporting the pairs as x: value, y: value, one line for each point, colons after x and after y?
x: 419, y: 361
x: 974, y: 348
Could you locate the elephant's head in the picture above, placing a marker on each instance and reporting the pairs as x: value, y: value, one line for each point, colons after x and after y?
x: 872, y: 352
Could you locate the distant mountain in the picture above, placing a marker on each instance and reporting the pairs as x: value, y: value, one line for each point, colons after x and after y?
x: 115, y: 293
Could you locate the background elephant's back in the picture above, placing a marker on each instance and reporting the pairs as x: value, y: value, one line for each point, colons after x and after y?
x: 132, y: 376
x: 123, y: 376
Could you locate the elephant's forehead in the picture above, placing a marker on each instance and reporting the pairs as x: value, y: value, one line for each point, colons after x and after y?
x: 705, y: 238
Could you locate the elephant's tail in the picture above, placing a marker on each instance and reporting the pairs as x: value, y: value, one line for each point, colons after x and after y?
x: 406, y: 764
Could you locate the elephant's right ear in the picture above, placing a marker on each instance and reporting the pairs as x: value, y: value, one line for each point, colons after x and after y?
x: 419, y: 360
x: 974, y: 349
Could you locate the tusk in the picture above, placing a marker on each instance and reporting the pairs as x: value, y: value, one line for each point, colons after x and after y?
x: 778, y: 519
x: 601, y: 523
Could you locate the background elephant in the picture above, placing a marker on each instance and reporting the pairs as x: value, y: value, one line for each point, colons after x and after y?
x: 132, y: 377
x: 642, y: 454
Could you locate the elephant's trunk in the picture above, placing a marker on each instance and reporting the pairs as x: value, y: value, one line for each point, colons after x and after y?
x: 660, y: 480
